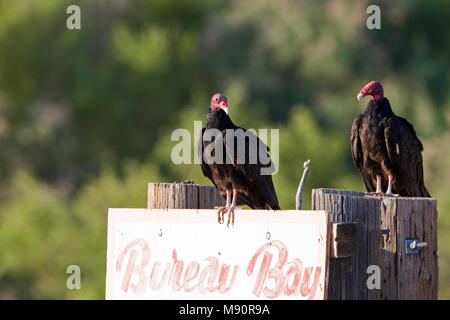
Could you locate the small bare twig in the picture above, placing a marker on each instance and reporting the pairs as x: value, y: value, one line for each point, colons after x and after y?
x: 301, y: 186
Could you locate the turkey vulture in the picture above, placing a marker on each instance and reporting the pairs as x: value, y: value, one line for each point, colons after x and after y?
x: 236, y: 161
x: 385, y: 148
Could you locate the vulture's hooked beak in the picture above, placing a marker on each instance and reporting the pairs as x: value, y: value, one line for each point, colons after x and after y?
x: 223, y: 105
x: 359, y: 96
x: 225, y: 109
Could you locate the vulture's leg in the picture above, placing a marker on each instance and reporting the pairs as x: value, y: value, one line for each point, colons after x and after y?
x: 378, y: 192
x: 378, y: 185
x: 232, y: 208
x: 389, y: 189
x: 223, y: 210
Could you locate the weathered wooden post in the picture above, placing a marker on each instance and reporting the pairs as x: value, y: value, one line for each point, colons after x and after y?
x: 398, y: 235
x: 184, y: 195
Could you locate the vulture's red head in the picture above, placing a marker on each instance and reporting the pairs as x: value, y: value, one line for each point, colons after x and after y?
x: 218, y: 102
x: 373, y: 89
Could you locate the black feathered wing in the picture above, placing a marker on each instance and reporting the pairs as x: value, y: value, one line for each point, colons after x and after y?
x: 405, y: 154
x: 252, y: 162
x: 357, y: 154
x: 206, y: 170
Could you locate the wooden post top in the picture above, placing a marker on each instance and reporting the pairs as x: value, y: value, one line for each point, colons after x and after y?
x: 351, y: 193
x: 182, y: 195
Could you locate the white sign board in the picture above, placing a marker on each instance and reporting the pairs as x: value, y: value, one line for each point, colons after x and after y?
x: 187, y: 254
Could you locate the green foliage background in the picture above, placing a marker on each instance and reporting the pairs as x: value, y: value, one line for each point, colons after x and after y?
x: 86, y: 115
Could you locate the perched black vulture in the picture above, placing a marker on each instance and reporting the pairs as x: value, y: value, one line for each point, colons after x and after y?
x: 236, y: 161
x: 385, y: 148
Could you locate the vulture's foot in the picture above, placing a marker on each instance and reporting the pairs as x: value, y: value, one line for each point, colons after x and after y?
x: 374, y: 194
x: 223, y: 210
x: 389, y: 189
x: 380, y: 194
x: 220, y: 213
x: 231, y: 216
x: 391, y: 195
x: 228, y: 209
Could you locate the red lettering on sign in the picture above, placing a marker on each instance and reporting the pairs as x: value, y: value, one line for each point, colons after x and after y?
x: 154, y: 285
x: 138, y: 287
x: 280, y: 278
x: 296, y: 272
x: 288, y: 278
x: 211, y: 272
x: 305, y: 289
x: 191, y: 280
x: 191, y: 274
x: 224, y: 276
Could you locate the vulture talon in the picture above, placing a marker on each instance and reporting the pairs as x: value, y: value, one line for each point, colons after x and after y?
x: 374, y: 194
x: 222, y: 211
x: 231, y: 216
x: 391, y: 195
